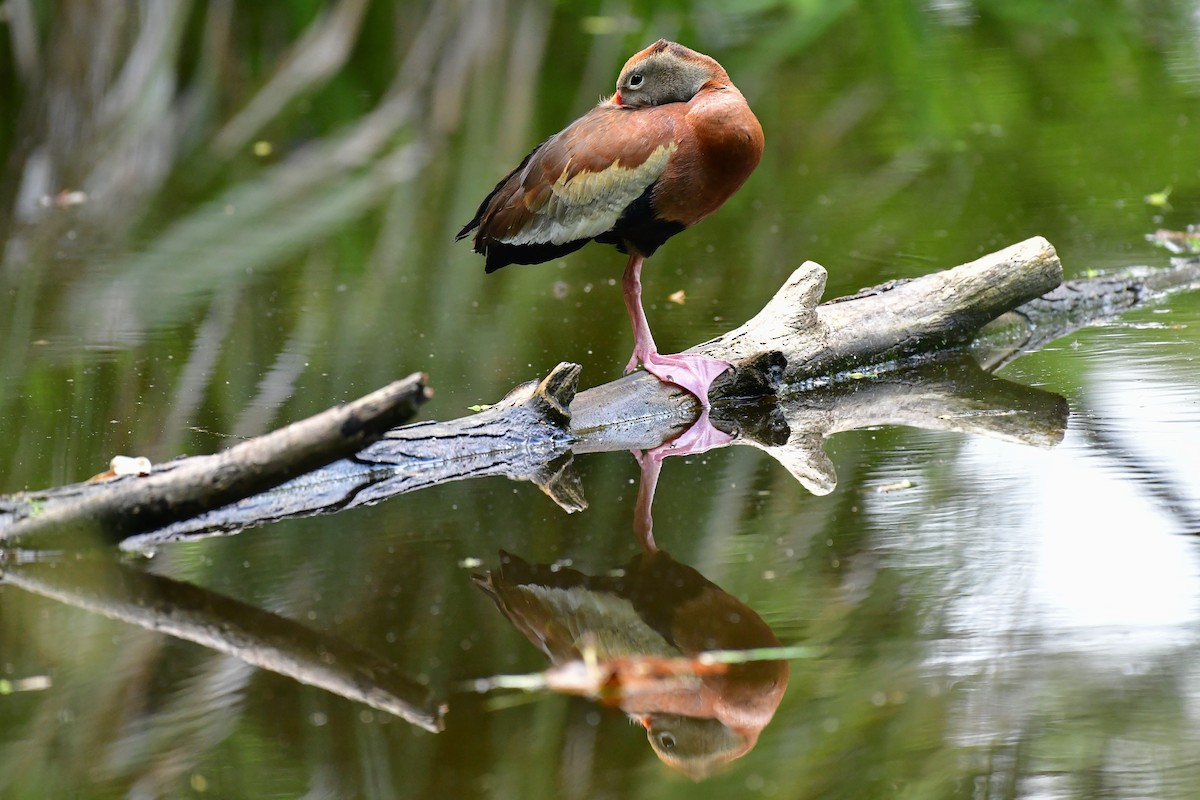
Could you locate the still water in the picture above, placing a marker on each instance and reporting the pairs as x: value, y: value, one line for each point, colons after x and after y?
x: 962, y: 616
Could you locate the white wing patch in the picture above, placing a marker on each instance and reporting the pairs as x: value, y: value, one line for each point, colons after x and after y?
x: 590, y: 203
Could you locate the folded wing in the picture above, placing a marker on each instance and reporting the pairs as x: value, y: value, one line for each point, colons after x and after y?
x: 576, y: 185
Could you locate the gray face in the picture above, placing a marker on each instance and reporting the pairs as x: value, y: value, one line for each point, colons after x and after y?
x: 662, y: 78
x: 697, y: 746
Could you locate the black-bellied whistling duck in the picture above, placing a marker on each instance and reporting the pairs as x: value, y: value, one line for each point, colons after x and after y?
x: 674, y: 142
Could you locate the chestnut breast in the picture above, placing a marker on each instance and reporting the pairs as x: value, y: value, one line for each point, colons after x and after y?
x: 720, y: 144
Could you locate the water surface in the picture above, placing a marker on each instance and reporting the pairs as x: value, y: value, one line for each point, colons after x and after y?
x: 975, y: 617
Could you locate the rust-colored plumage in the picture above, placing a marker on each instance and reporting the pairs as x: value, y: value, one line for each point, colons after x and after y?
x: 674, y: 142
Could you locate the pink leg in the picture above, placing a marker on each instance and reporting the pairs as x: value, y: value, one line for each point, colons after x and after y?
x: 643, y: 518
x: 643, y: 340
x: 691, y: 371
x: 701, y: 437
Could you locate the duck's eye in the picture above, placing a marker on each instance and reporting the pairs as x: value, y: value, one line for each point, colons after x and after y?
x: 635, y: 80
x: 666, y: 741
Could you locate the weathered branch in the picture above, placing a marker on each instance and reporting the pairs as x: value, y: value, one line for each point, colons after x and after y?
x: 523, y: 437
x: 948, y: 395
x: 195, y: 485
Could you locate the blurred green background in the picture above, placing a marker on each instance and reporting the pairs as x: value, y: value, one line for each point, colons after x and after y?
x: 222, y: 216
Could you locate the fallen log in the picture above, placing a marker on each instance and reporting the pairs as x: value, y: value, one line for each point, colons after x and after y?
x: 797, y: 354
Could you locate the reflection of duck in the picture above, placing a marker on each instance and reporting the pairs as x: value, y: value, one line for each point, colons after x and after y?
x: 654, y: 608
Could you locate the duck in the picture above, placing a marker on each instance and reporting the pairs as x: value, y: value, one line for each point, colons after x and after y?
x: 664, y: 151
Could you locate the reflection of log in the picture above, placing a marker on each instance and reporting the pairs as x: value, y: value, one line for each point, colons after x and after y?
x: 225, y: 625
x: 192, y: 486
x: 947, y: 395
x: 951, y: 394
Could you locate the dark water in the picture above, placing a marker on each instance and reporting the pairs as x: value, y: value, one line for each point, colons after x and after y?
x: 967, y: 616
